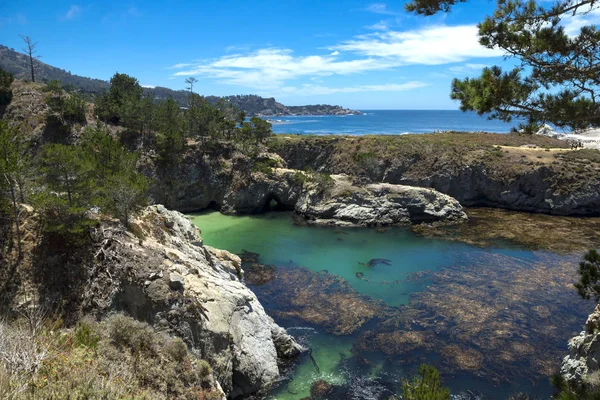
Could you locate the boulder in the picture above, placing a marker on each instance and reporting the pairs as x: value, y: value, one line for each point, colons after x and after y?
x: 378, y: 204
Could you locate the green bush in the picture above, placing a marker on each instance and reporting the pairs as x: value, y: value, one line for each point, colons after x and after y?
x: 425, y: 386
x: 265, y: 166
x: 6, y: 95
x: 86, y: 335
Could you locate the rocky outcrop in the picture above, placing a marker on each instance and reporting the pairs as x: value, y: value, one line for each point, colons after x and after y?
x: 379, y: 204
x: 274, y: 189
x: 471, y: 168
x: 584, y: 352
x: 168, y: 278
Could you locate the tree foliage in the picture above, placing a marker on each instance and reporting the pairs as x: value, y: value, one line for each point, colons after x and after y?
x: 98, y: 174
x: 425, y: 386
x: 69, y: 107
x: 13, y: 163
x: 589, y: 280
x: 557, y: 74
x: 120, y: 105
x: 6, y: 79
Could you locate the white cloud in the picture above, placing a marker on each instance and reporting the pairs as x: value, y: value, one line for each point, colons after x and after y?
x: 467, y: 68
x: 430, y: 46
x: 380, y: 8
x: 271, y: 68
x: 309, y: 89
x: 379, y: 26
x: 18, y: 18
x: 573, y: 23
x: 180, y: 65
x: 148, y: 86
x: 73, y: 13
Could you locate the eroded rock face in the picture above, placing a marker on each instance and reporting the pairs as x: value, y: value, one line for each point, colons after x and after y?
x: 258, y: 190
x: 194, y: 291
x: 376, y: 204
x: 584, y: 352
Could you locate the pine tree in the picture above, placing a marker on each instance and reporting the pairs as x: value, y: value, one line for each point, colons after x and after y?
x: 557, y: 77
x: 589, y: 281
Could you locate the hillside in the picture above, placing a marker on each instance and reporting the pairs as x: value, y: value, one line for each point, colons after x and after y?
x: 253, y: 105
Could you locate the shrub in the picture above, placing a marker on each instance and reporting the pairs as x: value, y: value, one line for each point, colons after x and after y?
x: 425, y: 386
x: 86, y: 335
x: 265, y: 166
x: 204, y: 369
x: 6, y: 94
x: 130, y: 334
x: 177, y: 350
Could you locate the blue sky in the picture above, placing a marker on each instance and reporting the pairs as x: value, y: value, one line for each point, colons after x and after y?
x: 364, y: 55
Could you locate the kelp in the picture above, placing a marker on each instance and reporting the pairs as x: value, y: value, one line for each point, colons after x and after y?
x: 318, y: 298
x: 498, y: 317
x: 488, y: 226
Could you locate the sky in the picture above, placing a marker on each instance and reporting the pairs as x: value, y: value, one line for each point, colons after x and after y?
x: 358, y: 54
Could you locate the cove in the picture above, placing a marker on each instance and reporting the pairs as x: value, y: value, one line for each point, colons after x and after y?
x: 494, y: 320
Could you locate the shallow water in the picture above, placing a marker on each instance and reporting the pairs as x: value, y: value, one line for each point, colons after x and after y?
x: 410, y: 281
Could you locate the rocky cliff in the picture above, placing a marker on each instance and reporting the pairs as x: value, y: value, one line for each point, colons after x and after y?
x: 160, y: 272
x: 516, y: 172
x: 170, y: 279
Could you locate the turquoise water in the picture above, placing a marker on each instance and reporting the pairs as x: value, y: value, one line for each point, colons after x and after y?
x: 391, y: 122
x: 338, y: 251
x: 346, y: 252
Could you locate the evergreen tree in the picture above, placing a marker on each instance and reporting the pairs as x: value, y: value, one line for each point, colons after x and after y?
x: 170, y: 125
x: 557, y: 78
x: 120, y: 105
x: 589, y: 281
x: 425, y: 386
x: 118, y: 188
x: 6, y: 79
x: 256, y: 129
x: 66, y: 173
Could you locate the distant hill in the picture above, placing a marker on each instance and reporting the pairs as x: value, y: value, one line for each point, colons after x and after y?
x: 253, y: 105
x: 17, y: 63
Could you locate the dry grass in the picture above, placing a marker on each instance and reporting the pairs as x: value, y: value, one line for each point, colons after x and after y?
x: 117, y: 358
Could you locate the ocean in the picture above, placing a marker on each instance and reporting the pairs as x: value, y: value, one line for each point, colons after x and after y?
x: 390, y: 122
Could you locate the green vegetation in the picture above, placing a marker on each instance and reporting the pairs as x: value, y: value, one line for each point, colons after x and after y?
x: 589, y: 281
x: 425, y: 386
x: 125, y: 105
x: 98, y: 173
x: 588, y: 390
x: 68, y: 107
x: 6, y: 79
x: 557, y: 77
x: 116, y: 358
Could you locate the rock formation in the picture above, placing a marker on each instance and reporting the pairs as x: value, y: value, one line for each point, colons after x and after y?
x: 377, y: 204
x: 472, y: 168
x: 584, y: 352
x: 170, y: 279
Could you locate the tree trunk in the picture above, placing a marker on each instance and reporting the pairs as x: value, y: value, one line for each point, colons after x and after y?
x: 31, y: 63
